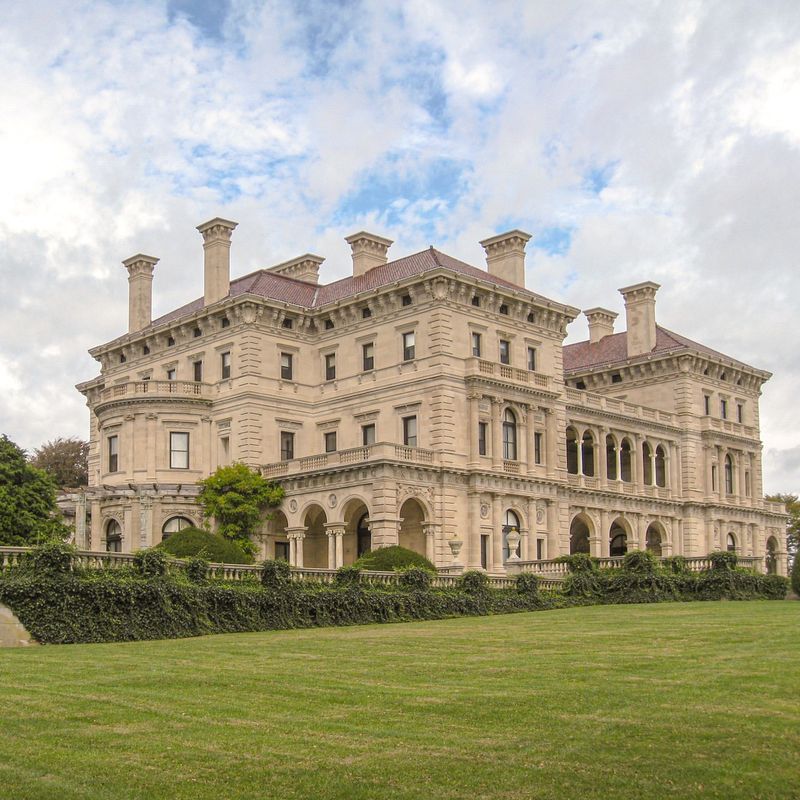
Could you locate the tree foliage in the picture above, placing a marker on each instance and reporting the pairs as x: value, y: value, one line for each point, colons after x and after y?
x: 237, y: 497
x: 792, y: 503
x: 28, y: 512
x: 64, y: 460
x: 193, y: 542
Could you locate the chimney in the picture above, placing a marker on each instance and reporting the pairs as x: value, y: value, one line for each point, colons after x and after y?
x: 304, y: 268
x: 640, y: 316
x: 505, y: 256
x: 601, y: 323
x: 369, y: 251
x: 217, y: 258
x: 140, y: 291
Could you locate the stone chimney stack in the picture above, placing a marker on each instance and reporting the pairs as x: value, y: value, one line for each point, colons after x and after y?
x: 369, y: 251
x: 140, y: 291
x: 601, y: 323
x: 505, y: 256
x: 640, y: 315
x: 217, y: 258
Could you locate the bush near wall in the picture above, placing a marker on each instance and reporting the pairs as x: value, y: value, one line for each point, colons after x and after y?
x: 59, y: 603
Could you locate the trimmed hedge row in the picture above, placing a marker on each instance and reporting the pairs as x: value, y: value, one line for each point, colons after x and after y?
x: 58, y: 603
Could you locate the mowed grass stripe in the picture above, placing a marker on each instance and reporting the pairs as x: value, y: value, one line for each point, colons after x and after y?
x: 672, y: 700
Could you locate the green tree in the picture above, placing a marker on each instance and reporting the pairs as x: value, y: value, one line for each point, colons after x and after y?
x: 28, y: 511
x: 792, y: 503
x: 65, y: 460
x: 237, y: 497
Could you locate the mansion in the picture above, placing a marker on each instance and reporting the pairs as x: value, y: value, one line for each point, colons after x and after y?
x: 424, y: 402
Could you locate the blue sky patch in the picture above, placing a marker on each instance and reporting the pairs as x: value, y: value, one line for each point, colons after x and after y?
x: 597, y: 178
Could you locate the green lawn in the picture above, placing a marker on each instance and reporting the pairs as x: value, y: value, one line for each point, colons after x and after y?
x: 676, y: 700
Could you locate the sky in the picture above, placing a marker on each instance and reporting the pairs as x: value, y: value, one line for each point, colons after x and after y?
x: 634, y: 140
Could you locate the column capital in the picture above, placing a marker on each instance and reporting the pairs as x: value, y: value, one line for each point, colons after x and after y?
x: 296, y: 533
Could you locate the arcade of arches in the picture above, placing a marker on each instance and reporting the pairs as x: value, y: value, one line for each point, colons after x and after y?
x: 618, y: 540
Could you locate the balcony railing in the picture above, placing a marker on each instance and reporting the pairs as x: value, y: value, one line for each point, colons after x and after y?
x: 479, y: 366
x: 156, y: 389
x: 728, y: 426
x: 558, y: 570
x: 602, y: 403
x: 356, y: 455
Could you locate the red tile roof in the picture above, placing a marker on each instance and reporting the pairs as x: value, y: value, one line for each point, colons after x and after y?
x: 613, y: 349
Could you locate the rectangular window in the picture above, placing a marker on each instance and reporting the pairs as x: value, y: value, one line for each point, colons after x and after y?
x: 287, y: 446
x: 286, y: 366
x: 409, y: 346
x: 225, y: 363
x: 368, y: 356
x: 410, y: 431
x: 739, y: 412
x: 505, y: 351
x: 224, y: 450
x: 171, y: 375
x: 537, y: 448
x: 197, y: 370
x: 723, y: 408
x: 281, y: 551
x: 482, y: 428
x: 179, y: 451
x: 713, y: 477
x: 367, y: 434
x: 707, y: 404
x: 113, y: 453
x: 532, y: 359
x: 476, y: 345
x: 484, y: 551
x: 539, y: 549
x: 330, y: 442
x: 330, y: 367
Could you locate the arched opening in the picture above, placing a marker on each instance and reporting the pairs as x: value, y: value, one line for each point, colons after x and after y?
x: 357, y: 535
x: 173, y: 525
x: 653, y: 539
x: 730, y: 543
x: 510, y: 522
x: 579, y: 533
x: 412, y: 531
x: 625, y: 460
x: 661, y: 467
x: 276, y: 542
x: 618, y: 538
x: 587, y: 453
x: 113, y: 537
x: 509, y: 435
x: 572, y: 451
x: 611, y: 458
x: 728, y: 474
x: 315, y: 541
x: 771, y: 559
x: 647, y: 463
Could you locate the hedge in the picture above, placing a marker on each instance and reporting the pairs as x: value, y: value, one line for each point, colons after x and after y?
x: 60, y: 603
x: 205, y: 544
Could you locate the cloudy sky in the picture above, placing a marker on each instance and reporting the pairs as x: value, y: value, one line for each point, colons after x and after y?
x: 635, y: 140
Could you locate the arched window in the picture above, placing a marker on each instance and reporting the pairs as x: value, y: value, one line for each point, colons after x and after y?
x: 510, y: 522
x: 509, y: 435
x: 611, y: 458
x: 173, y: 525
x: 731, y: 543
x: 647, y: 463
x: 772, y: 556
x: 113, y: 537
x: 653, y: 540
x: 728, y: 474
x: 661, y: 467
x: 572, y: 451
x: 578, y: 536
x: 625, y: 461
x: 617, y: 541
x: 587, y: 447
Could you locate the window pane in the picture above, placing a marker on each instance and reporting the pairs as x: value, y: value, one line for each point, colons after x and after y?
x: 368, y: 434
x: 410, y: 431
x: 505, y: 352
x: 113, y: 453
x: 476, y: 345
x: 532, y: 359
x: 286, y: 366
x: 198, y: 371
x: 482, y: 438
x: 330, y: 366
x: 287, y: 446
x: 368, y: 351
x: 409, y: 349
x: 179, y: 450
x: 330, y: 442
x: 226, y: 365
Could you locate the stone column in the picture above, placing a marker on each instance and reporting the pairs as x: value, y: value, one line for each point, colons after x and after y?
x: 497, y: 533
x: 146, y: 522
x: 80, y: 522
x: 652, y: 465
x: 605, y: 530
x: 740, y: 470
x: 430, y: 541
x: 550, y: 442
x: 472, y: 557
x: 152, y: 446
x: 524, y: 544
x: 522, y: 440
x: 579, y: 443
x: 531, y: 444
x: 618, y: 459
x: 474, y: 399
x: 296, y: 536
x: 339, y: 548
x: 638, y: 460
x: 335, y: 533
x: 553, y: 547
x: 720, y: 475
x: 97, y: 527
x: 497, y: 440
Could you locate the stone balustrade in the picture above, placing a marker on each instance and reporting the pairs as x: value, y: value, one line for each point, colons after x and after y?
x: 602, y: 403
x: 156, y: 389
x: 505, y: 372
x: 558, y: 570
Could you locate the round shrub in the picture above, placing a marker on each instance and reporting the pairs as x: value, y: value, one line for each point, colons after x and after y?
x: 578, y: 562
x: 211, y: 546
x: 527, y: 583
x: 151, y: 563
x: 641, y: 562
x: 275, y: 574
x: 348, y: 576
x: 677, y: 565
x: 53, y: 558
x: 474, y: 582
x: 722, y: 560
x: 196, y: 569
x: 416, y: 578
x: 386, y: 559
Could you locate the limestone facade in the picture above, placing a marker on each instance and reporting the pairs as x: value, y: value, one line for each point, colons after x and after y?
x: 425, y: 402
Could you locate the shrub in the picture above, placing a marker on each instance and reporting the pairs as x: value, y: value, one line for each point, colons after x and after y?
x: 578, y: 562
x: 211, y: 546
x: 151, y: 563
x: 53, y: 558
x: 584, y: 583
x: 348, y: 576
x: 527, y: 583
x: 677, y: 565
x: 416, y: 578
x: 723, y: 560
x: 391, y: 558
x: 796, y: 574
x: 196, y: 569
x: 640, y: 561
x: 275, y: 574
x: 474, y: 582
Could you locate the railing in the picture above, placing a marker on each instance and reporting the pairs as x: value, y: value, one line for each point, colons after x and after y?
x: 559, y: 570
x: 155, y: 389
x: 355, y: 455
x: 603, y: 403
x: 479, y: 366
x: 728, y: 426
